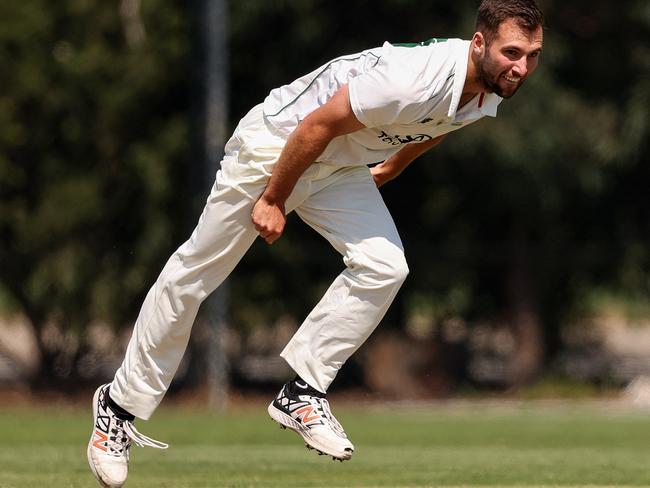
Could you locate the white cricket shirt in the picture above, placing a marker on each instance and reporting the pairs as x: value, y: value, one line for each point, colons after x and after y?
x: 401, y: 93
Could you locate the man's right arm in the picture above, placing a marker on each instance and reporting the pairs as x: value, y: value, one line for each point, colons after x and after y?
x: 303, y: 146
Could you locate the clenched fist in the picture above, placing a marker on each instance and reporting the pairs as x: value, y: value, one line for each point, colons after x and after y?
x: 269, y: 219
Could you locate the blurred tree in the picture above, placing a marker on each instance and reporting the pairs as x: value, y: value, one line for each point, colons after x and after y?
x: 93, y: 141
x: 513, y: 220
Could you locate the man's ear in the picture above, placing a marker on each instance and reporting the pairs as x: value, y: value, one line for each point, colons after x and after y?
x: 478, y: 45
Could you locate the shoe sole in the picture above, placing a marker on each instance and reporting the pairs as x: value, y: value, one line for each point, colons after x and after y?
x: 286, y: 421
x: 91, y: 462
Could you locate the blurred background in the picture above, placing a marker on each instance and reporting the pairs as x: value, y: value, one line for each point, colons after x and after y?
x: 528, y: 236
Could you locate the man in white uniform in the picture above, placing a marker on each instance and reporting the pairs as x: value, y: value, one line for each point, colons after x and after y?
x: 306, y: 149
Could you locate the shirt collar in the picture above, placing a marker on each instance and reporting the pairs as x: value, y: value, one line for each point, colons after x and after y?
x: 490, y: 103
x: 490, y: 100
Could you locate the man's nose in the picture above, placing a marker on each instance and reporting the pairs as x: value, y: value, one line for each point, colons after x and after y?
x: 521, y: 67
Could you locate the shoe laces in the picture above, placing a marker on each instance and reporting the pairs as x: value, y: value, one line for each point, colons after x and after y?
x: 140, y: 439
x: 327, y: 412
x: 123, y: 432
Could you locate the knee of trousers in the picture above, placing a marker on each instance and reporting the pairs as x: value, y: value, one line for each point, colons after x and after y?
x: 388, y: 269
x: 183, y: 288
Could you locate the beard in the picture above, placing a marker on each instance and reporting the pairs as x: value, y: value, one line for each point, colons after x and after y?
x: 490, y: 77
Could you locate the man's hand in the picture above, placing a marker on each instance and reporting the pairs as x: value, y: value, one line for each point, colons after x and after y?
x: 380, y: 175
x: 269, y: 219
x: 393, y: 166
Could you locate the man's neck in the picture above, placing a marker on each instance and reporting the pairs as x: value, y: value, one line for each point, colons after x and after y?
x: 465, y: 98
x: 472, y: 86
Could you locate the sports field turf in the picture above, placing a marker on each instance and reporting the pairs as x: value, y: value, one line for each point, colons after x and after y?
x: 478, y: 445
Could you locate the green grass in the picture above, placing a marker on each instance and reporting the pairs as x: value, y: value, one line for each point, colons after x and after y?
x: 478, y: 446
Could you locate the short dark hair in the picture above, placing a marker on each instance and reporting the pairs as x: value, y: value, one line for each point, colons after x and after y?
x: 492, y: 13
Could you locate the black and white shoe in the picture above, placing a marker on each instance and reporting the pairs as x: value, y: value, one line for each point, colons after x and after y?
x: 108, y: 448
x: 308, y: 413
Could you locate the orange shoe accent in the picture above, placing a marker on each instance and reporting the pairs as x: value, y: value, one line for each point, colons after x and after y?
x: 307, y: 411
x: 102, y: 438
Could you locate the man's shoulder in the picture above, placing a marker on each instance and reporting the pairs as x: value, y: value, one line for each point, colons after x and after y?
x: 428, y: 59
x: 429, y: 65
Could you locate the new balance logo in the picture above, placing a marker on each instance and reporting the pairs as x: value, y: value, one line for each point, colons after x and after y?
x: 100, y: 442
x: 305, y: 414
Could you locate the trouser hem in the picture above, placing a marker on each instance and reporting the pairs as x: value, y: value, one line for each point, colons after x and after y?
x: 139, y: 404
x: 309, y: 368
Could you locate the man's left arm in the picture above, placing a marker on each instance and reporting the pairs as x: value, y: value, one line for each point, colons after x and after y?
x: 393, y: 166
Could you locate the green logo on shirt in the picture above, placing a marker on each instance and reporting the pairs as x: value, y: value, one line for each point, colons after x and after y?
x: 428, y: 42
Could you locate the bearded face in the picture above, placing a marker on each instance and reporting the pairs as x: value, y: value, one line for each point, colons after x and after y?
x: 496, y: 79
x: 508, y: 58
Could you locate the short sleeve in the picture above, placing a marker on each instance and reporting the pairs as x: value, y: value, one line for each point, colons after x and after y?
x: 388, y: 93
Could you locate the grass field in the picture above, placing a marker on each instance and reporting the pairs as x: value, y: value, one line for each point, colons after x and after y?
x: 533, y: 445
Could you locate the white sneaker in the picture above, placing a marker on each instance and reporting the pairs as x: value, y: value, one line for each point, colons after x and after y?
x: 310, y: 416
x: 108, y: 448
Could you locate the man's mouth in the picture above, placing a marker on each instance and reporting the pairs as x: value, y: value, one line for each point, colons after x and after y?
x: 512, y: 79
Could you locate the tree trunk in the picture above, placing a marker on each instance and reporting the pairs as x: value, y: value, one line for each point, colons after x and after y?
x: 523, y: 316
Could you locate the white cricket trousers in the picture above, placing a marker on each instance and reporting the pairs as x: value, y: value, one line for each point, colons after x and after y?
x: 341, y: 203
